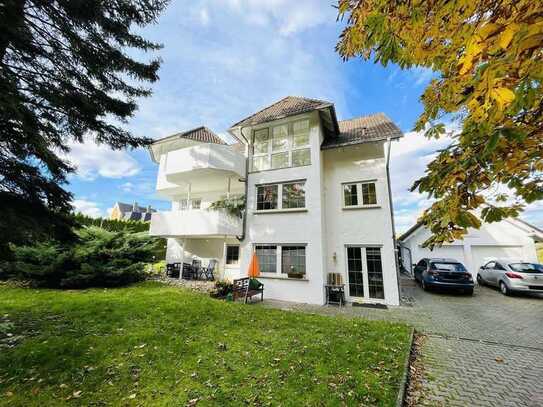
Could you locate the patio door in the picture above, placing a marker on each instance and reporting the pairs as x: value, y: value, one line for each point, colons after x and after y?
x: 365, y: 274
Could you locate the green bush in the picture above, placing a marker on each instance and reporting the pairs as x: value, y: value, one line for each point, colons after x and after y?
x: 99, y: 258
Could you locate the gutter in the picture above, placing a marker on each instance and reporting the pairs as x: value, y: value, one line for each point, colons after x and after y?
x: 391, y: 206
x: 241, y: 238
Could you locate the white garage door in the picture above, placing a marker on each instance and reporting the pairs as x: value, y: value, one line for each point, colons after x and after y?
x: 447, y: 252
x: 482, y: 254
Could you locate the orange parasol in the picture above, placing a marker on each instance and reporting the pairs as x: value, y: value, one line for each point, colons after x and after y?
x: 254, y: 267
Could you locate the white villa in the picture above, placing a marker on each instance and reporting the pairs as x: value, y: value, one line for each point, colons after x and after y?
x: 316, y: 195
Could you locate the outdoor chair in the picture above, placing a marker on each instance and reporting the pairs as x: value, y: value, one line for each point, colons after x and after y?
x: 197, y: 269
x: 242, y: 289
x: 188, y: 273
x: 172, y: 270
x: 208, y: 272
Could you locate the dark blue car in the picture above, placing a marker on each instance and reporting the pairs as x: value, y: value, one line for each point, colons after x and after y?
x: 443, y: 273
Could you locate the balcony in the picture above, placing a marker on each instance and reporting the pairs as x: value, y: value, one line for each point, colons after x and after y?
x: 195, y: 223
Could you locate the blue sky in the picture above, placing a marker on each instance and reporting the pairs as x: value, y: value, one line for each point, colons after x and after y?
x: 223, y: 60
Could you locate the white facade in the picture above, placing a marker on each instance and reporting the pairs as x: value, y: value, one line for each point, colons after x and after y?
x: 299, y: 238
x: 510, y: 238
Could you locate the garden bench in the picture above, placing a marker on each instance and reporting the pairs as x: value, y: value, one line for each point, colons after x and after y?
x: 242, y: 289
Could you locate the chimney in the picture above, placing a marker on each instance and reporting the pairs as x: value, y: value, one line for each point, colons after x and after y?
x: 135, y: 207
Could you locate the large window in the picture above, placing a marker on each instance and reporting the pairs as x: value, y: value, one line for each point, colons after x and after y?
x: 375, y: 272
x: 282, y: 260
x: 288, y: 195
x: 286, y: 145
x: 359, y: 194
x: 232, y: 255
x: 293, y: 259
x: 267, y: 258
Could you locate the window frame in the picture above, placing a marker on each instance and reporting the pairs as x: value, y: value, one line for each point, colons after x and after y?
x: 289, y: 149
x: 278, y: 273
x: 226, y: 247
x: 360, y: 194
x: 279, y: 206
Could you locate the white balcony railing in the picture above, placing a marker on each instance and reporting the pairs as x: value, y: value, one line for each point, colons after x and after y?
x: 195, y: 222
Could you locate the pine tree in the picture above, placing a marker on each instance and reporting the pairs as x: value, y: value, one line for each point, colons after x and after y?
x: 65, y: 73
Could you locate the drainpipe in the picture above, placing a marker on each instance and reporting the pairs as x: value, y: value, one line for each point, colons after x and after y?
x: 241, y: 238
x: 389, y: 141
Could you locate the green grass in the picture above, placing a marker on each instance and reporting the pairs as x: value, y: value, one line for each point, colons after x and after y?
x: 156, y: 345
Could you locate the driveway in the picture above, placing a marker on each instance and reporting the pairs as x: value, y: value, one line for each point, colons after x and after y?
x: 480, y: 350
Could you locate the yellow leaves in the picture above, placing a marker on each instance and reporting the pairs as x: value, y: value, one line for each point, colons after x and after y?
x: 507, y: 35
x: 502, y: 96
x: 487, y: 30
x: 472, y: 51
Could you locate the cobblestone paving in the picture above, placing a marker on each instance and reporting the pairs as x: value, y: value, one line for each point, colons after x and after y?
x: 484, y: 350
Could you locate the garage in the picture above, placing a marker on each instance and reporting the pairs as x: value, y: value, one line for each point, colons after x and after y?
x: 509, y: 238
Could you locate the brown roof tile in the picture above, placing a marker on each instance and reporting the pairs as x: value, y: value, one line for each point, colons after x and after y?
x: 288, y: 106
x: 363, y: 129
x: 201, y: 134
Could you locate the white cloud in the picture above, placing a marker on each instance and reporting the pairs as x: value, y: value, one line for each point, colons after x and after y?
x: 92, y: 161
x: 204, y: 17
x: 86, y: 207
x: 127, y: 187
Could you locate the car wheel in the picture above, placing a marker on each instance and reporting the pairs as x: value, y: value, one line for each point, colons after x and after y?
x: 480, y: 280
x: 504, y: 289
x: 469, y: 291
x: 423, y: 285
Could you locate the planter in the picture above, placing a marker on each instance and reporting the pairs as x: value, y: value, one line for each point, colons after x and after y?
x: 295, y: 275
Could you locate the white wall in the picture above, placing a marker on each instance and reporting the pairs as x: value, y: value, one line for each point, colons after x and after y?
x: 291, y: 228
x: 493, y: 240
x: 361, y: 226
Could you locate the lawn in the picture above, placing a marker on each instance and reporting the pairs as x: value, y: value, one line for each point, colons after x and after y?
x: 156, y: 345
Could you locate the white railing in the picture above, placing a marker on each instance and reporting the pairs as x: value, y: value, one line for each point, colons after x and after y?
x: 195, y: 222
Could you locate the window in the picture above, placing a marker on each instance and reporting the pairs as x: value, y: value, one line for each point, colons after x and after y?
x: 232, y: 254
x: 293, y: 259
x: 293, y: 195
x: 282, y: 260
x: 354, y: 269
x: 267, y: 258
x: 351, y: 195
x: 288, y: 146
x: 499, y: 267
x: 359, y: 194
x: 289, y: 195
x: 266, y: 197
x: 375, y: 272
x: 185, y: 204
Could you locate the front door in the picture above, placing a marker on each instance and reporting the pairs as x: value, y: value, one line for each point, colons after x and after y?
x: 365, y: 273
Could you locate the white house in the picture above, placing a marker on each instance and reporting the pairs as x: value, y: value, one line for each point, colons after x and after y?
x: 316, y: 193
x: 510, y: 238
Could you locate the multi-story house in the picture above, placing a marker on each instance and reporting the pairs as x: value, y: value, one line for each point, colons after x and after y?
x: 314, y: 194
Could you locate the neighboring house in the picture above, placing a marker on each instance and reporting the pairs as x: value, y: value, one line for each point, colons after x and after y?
x: 123, y: 211
x: 509, y: 238
x: 317, y: 200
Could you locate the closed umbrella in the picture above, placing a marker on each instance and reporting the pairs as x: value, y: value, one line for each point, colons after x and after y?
x: 254, y: 267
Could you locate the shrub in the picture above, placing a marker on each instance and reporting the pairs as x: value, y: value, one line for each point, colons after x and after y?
x: 99, y: 258
x: 222, y: 289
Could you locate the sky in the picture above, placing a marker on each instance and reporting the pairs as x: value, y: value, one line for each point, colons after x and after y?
x: 226, y: 59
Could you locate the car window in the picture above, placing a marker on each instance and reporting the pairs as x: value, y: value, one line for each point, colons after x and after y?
x: 490, y: 265
x: 421, y: 263
x: 499, y: 267
x: 527, y: 267
x: 447, y: 266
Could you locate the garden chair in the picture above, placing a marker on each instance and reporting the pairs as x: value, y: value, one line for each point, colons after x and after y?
x: 173, y: 269
x: 197, y: 269
x: 208, y: 272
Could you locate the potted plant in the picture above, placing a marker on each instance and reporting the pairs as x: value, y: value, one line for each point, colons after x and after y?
x: 294, y: 273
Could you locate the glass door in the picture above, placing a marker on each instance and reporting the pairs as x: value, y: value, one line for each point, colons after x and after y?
x: 365, y: 273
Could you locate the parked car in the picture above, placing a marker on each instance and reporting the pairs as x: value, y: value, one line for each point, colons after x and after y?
x: 512, y: 276
x: 443, y: 273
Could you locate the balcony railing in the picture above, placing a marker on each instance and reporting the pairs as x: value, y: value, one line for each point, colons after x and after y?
x: 195, y: 222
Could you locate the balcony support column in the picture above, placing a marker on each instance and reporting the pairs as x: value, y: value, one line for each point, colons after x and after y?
x: 228, y: 184
x: 183, y: 242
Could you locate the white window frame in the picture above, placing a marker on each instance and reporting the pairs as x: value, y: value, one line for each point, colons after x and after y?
x: 359, y: 195
x: 289, y: 148
x: 279, y: 260
x: 365, y: 273
x: 189, y: 204
x: 280, y: 197
x: 231, y: 265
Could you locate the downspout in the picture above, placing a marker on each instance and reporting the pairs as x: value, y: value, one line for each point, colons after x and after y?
x: 241, y: 238
x: 391, y: 206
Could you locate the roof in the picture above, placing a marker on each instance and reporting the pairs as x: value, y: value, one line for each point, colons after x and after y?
x: 201, y: 134
x: 288, y: 106
x: 126, y: 208
x: 364, y: 129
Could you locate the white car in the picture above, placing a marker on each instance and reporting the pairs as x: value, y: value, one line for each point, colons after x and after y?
x: 512, y: 276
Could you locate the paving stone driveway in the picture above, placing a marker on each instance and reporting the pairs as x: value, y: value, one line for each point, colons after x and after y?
x: 484, y: 350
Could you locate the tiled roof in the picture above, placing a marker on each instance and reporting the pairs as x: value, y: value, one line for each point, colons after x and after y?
x: 201, y: 134
x: 363, y: 129
x: 288, y: 106
x: 127, y: 208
